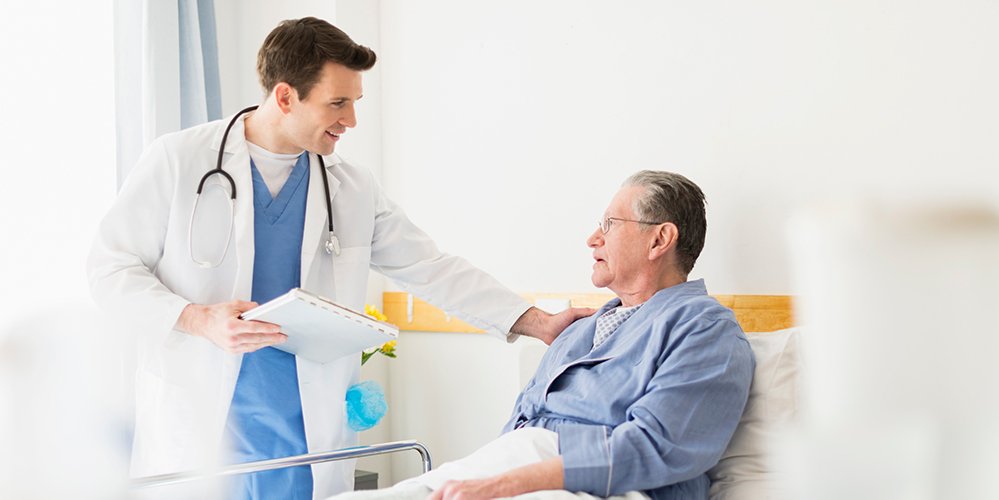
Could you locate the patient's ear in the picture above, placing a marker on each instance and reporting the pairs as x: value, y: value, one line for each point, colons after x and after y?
x: 666, y: 236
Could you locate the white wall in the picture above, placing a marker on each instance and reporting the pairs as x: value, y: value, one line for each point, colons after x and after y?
x: 58, y: 150
x: 510, y: 124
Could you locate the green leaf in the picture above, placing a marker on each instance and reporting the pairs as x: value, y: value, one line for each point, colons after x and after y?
x: 365, y: 356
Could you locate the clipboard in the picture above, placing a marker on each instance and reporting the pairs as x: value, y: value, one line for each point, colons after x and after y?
x: 319, y: 329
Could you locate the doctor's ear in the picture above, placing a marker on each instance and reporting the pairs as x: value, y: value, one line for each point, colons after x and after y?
x: 284, y: 95
x: 665, y: 238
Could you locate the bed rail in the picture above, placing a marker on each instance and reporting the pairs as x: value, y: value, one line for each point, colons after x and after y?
x: 280, y: 463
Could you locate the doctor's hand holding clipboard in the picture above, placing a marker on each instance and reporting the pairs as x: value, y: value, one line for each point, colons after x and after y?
x: 222, y: 325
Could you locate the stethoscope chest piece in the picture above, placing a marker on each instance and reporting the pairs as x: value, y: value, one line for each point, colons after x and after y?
x: 333, y: 245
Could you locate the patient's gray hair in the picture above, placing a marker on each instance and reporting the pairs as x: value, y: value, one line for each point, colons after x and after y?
x: 673, y: 198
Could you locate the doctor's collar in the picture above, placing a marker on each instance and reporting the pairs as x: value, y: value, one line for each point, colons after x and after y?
x: 237, y: 136
x: 237, y: 140
x: 332, y: 160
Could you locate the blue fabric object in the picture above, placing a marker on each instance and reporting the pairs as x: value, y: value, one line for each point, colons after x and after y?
x: 653, y: 407
x: 365, y: 405
x: 265, y: 420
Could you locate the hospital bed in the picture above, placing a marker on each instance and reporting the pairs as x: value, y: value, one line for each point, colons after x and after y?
x: 744, y: 472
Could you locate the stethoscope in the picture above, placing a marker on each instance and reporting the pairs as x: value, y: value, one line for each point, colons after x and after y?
x: 332, y: 243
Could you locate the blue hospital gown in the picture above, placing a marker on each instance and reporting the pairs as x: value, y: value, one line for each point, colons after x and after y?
x: 653, y: 407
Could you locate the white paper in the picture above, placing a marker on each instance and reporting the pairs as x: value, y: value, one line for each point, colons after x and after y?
x: 319, y: 329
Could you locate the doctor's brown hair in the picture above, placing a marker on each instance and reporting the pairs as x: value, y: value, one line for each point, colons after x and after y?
x: 297, y: 49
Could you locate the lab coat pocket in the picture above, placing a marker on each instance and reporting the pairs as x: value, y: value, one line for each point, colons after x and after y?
x: 170, y: 426
x: 350, y: 273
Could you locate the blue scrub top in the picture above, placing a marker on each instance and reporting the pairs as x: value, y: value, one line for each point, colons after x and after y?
x: 265, y: 420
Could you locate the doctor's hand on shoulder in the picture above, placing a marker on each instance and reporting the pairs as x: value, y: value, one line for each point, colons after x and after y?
x: 546, y: 327
x: 221, y: 324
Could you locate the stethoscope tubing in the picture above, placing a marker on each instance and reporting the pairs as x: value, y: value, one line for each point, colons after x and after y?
x: 332, y: 243
x: 218, y: 163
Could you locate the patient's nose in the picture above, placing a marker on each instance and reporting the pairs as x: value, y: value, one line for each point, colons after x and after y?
x: 596, y: 239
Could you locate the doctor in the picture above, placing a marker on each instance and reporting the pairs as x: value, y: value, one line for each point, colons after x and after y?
x: 178, y: 261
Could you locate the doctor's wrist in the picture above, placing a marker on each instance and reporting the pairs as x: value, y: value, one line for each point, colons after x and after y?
x: 529, y: 323
x: 190, y: 318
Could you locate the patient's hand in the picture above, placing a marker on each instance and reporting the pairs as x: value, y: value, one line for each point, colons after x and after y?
x: 547, y: 327
x: 471, y: 489
x: 544, y: 475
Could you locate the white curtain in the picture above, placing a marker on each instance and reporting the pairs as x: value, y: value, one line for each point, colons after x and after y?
x: 200, y: 93
x: 166, y: 72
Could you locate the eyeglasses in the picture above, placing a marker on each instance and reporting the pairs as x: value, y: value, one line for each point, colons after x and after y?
x: 607, y: 222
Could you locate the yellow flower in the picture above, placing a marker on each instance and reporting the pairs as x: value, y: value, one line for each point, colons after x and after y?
x: 388, y: 348
x: 373, y: 312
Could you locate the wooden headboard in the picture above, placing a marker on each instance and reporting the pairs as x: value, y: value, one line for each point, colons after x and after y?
x: 756, y: 313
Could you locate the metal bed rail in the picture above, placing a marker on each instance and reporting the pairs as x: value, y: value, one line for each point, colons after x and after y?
x: 280, y: 463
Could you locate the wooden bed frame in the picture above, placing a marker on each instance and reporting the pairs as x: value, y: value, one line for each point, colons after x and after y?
x: 755, y: 313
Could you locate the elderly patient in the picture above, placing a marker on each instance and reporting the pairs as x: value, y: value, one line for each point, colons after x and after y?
x: 642, y: 396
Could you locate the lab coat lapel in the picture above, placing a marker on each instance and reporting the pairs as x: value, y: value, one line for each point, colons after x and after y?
x: 236, y: 163
x: 316, y: 227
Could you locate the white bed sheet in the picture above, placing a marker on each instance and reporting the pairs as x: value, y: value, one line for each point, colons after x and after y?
x: 509, y: 451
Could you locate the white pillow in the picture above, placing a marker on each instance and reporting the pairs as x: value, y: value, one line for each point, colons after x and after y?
x: 744, y: 472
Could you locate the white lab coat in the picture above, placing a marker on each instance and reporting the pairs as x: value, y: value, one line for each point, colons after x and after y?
x: 141, y: 271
